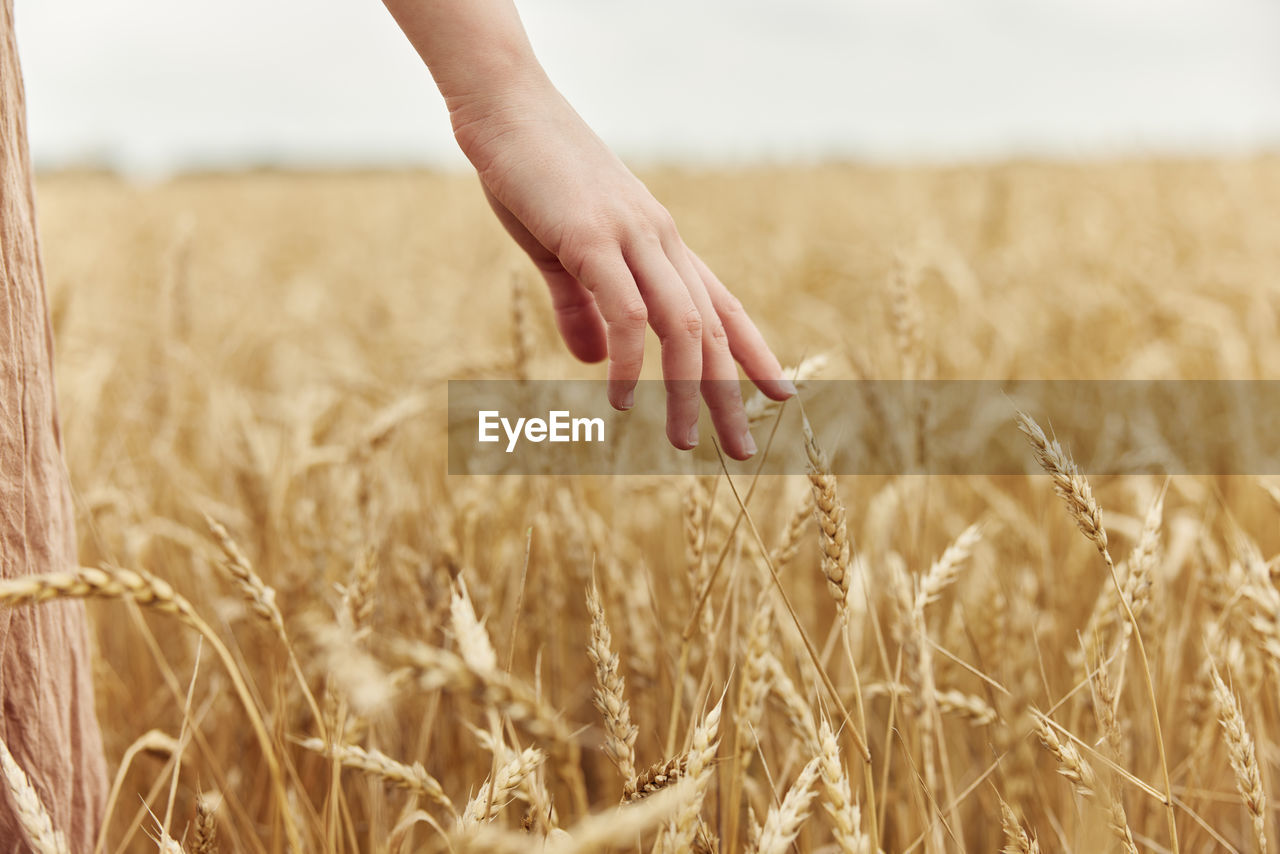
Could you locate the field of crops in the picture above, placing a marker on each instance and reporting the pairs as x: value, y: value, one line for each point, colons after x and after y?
x: 380, y: 657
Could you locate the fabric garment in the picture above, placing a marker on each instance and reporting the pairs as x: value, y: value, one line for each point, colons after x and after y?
x: 46, y: 694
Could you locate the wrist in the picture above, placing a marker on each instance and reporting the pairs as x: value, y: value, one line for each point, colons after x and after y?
x: 509, y: 96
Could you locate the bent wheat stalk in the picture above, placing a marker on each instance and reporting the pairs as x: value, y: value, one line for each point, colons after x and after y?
x: 89, y: 582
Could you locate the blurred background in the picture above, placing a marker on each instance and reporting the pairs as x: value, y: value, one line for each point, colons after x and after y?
x: 151, y: 88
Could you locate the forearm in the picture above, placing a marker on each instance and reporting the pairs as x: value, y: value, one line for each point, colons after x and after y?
x: 477, y: 52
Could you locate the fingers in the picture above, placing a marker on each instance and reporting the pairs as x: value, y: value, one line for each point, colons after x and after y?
x: 745, y: 341
x: 703, y: 329
x: 719, y: 385
x: 679, y: 323
x: 625, y: 316
x: 577, y: 317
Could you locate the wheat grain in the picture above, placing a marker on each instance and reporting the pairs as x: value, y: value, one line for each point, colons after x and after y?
x: 655, y: 778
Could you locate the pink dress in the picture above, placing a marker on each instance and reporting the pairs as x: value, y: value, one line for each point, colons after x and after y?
x: 46, y: 691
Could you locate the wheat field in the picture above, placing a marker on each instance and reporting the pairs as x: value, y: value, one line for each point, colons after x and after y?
x: 309, y: 637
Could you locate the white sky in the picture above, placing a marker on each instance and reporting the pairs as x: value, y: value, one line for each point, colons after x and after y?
x: 152, y: 86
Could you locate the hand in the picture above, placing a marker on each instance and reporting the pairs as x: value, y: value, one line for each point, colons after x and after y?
x: 614, y: 262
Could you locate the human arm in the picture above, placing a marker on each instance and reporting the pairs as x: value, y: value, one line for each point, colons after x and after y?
x: 609, y: 252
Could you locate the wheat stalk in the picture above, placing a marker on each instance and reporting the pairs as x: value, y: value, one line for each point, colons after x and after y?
x: 145, y: 589
x: 1072, y: 487
x: 944, y: 571
x: 473, y: 640
x: 262, y: 601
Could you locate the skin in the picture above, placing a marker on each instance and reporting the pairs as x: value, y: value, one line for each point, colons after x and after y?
x: 611, y: 255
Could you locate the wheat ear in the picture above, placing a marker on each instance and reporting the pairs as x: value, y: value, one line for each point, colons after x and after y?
x: 1017, y: 840
x: 30, y: 811
x: 829, y: 510
x: 413, y: 778
x: 783, y: 822
x: 846, y: 816
x: 262, y: 601
x: 1073, y: 766
x: 698, y: 767
x: 494, y: 795
x: 438, y: 669
x: 610, y: 692
x: 1244, y: 759
x: 206, y: 835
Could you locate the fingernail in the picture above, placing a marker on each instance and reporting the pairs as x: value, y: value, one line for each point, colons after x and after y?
x: 748, y: 442
x: 789, y: 387
x: 629, y: 400
x: 693, y: 435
